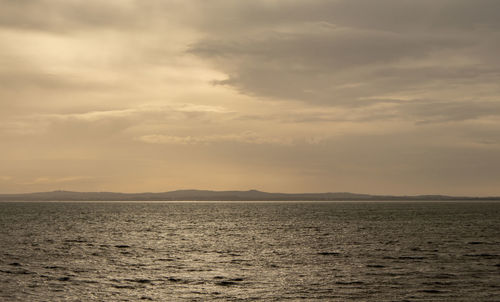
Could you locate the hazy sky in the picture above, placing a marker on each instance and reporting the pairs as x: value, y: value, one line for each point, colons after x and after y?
x: 386, y: 96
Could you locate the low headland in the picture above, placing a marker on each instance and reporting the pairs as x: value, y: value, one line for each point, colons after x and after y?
x: 206, y: 195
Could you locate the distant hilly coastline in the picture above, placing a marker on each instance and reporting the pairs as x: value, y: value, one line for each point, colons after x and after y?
x: 205, y: 195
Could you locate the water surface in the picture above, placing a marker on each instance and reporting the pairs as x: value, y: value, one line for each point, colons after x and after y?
x: 338, y: 251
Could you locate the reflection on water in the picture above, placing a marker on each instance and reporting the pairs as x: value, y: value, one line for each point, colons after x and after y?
x: 250, y: 251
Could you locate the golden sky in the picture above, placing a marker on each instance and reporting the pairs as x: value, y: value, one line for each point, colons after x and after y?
x: 382, y: 97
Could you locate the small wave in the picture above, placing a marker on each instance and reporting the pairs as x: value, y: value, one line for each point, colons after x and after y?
x: 199, y: 270
x: 349, y: 282
x: 431, y: 291
x: 329, y: 253
x: 165, y: 259
x: 484, y: 255
x: 226, y: 283
x: 119, y: 286
x: 438, y: 283
x: 175, y: 280
x: 17, y: 272
x: 411, y: 257
x: 90, y: 281
x: 240, y: 260
x: 444, y: 276
x: 139, y: 280
x: 75, y: 240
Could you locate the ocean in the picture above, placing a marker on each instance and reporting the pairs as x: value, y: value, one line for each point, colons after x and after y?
x: 255, y: 251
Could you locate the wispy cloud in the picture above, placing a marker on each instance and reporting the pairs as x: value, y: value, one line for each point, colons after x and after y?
x: 139, y: 110
x: 246, y: 138
x: 56, y: 180
x: 5, y: 178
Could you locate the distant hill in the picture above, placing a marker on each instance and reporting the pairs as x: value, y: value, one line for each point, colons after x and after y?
x: 204, y: 195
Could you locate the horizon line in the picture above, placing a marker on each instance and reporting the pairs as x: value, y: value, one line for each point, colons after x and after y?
x: 264, y: 192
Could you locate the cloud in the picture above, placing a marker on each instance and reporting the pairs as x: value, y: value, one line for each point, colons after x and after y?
x: 103, y: 125
x: 430, y: 111
x: 64, y: 16
x: 335, y: 66
x: 245, y: 138
x: 143, y: 114
x: 5, y: 178
x: 351, y: 53
x: 59, y: 180
x: 391, y: 15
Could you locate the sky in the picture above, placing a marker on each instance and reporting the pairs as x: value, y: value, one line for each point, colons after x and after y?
x: 380, y: 97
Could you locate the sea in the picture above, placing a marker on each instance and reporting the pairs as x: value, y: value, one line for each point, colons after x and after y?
x: 250, y: 251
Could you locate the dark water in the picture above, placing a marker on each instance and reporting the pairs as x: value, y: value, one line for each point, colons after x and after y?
x: 250, y: 251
